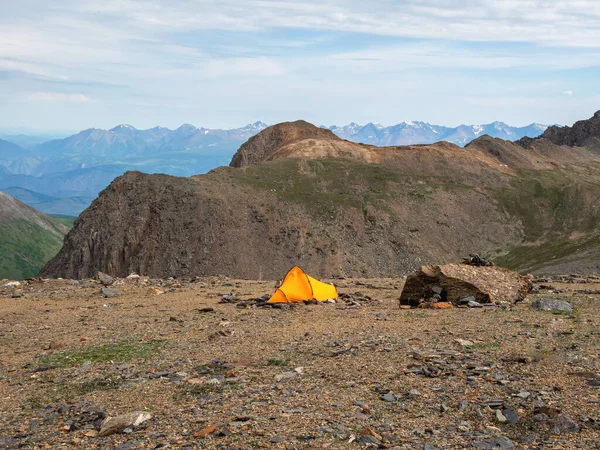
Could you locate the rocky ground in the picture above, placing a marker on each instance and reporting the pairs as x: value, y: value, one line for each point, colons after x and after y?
x: 186, y: 367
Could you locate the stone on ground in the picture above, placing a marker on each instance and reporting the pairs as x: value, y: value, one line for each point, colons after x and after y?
x: 551, y: 304
x: 461, y: 281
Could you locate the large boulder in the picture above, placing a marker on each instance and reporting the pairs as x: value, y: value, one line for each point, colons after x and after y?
x: 459, y: 283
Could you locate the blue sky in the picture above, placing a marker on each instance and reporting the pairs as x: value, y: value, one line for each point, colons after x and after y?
x: 75, y: 64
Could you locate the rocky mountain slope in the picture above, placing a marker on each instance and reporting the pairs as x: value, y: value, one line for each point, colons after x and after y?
x: 28, y: 239
x: 297, y: 194
x: 584, y: 133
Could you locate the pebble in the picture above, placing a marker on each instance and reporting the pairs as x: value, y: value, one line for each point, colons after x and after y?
x: 474, y: 304
x: 105, y: 279
x: 511, y: 415
x: 389, y: 397
x: 159, y: 375
x: 564, y: 424
x: 368, y: 440
x: 109, y: 293
x: 277, y: 439
x: 498, y: 442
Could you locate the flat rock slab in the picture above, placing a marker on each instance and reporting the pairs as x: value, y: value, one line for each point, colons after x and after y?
x: 498, y: 442
x: 551, y: 304
x: 461, y: 281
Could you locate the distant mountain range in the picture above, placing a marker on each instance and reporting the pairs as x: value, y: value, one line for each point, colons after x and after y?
x: 410, y: 133
x: 63, y: 176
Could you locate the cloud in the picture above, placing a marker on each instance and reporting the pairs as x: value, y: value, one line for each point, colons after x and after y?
x: 568, y: 92
x: 244, y: 58
x: 57, y: 97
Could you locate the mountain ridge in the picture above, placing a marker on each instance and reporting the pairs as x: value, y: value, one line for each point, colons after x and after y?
x: 416, y: 132
x: 296, y: 194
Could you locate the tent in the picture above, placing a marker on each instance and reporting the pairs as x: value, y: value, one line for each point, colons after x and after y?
x: 298, y: 286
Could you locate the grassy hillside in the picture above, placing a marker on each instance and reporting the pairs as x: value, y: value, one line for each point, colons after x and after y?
x: 65, y: 220
x: 28, y: 239
x: 559, y: 213
x: 25, y: 247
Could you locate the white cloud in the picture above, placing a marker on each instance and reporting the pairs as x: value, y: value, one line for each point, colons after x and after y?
x: 568, y: 92
x: 57, y: 97
x: 268, y: 58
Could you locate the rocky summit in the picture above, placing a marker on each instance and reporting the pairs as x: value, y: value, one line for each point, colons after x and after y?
x: 298, y: 194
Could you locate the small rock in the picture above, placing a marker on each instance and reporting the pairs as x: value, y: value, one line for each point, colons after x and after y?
x: 109, y: 293
x: 564, y: 424
x: 285, y: 376
x: 464, y: 342
x: 17, y: 294
x: 551, y: 304
x: 524, y: 394
x: 112, y: 425
x: 277, y: 439
x: 594, y: 383
x: 389, y: 397
x: 474, y: 304
x: 528, y: 438
x: 437, y: 290
x: 368, y: 440
x: 511, y: 415
x: 498, y: 442
x: 159, y: 375
x: 105, y: 279
x: 500, y: 417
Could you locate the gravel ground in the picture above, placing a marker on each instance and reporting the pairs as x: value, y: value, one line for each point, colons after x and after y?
x: 357, y: 373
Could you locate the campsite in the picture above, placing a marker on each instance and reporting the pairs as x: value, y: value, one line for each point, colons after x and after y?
x: 199, y: 371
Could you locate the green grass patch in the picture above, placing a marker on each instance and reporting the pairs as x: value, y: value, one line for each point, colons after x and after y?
x: 117, y: 352
x: 550, y: 201
x: 532, y: 257
x: 97, y: 384
x: 278, y: 362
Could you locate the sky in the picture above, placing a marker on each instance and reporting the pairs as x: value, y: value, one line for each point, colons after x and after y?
x: 76, y: 64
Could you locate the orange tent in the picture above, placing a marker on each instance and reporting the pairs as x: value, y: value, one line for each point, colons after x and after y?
x: 298, y: 286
